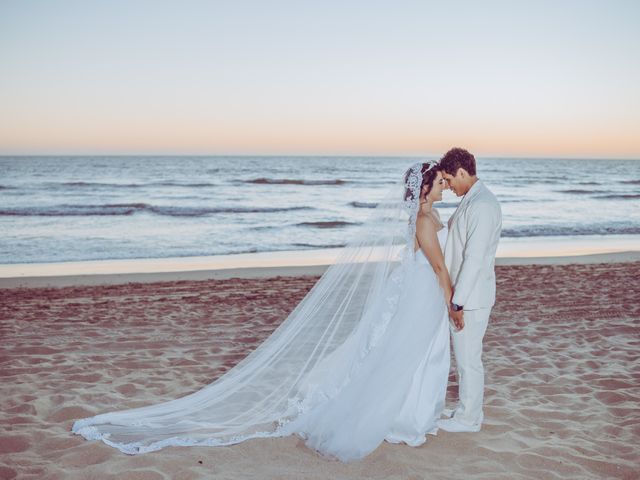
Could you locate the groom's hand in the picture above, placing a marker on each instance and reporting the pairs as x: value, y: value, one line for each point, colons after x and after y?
x: 457, y: 318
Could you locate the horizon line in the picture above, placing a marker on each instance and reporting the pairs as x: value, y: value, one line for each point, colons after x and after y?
x: 523, y: 156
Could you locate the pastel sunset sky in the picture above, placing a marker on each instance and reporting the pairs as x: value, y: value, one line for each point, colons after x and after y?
x: 526, y: 78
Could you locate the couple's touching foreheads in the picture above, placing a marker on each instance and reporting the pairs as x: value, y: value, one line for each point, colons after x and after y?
x: 364, y: 357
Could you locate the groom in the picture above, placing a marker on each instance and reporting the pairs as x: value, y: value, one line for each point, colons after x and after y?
x: 474, y: 231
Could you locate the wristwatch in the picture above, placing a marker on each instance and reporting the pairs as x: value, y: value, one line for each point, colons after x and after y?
x: 456, y: 308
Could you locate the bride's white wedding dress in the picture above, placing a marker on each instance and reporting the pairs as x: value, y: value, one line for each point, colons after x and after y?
x: 362, y: 359
x: 396, y: 390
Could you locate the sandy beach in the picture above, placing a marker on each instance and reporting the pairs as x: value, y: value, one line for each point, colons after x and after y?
x: 561, y: 356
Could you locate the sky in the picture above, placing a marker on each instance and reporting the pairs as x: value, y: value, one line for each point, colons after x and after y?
x: 373, y: 77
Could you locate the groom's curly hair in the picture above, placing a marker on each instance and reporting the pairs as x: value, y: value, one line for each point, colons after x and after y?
x: 458, y: 158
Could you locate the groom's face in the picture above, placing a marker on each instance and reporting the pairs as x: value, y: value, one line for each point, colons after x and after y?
x: 456, y: 182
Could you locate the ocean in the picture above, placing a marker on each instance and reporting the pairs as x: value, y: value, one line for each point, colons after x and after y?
x: 58, y: 208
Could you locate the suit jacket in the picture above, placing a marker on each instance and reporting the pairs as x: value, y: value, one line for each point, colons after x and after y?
x: 470, y: 251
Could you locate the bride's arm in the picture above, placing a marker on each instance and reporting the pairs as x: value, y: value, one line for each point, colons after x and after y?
x: 428, y: 240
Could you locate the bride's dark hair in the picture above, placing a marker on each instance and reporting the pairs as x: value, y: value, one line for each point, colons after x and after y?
x: 429, y: 173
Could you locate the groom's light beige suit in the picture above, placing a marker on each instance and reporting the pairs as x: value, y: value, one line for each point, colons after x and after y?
x: 474, y: 232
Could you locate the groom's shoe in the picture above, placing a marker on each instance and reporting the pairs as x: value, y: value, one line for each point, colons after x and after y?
x: 452, y: 425
x: 448, y: 412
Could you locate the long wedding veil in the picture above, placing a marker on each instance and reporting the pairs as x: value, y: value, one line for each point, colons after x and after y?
x: 274, y: 383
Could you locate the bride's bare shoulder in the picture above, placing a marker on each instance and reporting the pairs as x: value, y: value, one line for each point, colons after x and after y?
x: 425, y: 223
x: 430, y: 220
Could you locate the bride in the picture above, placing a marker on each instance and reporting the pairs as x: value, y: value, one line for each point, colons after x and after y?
x: 363, y: 358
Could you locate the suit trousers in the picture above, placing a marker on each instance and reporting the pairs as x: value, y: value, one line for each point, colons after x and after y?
x: 467, y: 346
